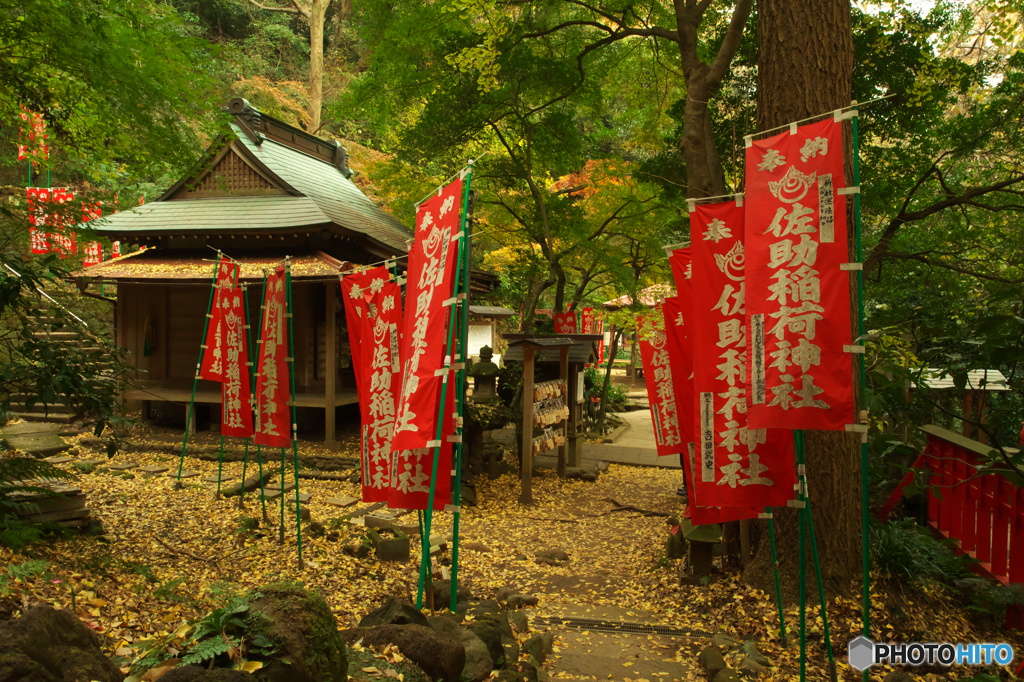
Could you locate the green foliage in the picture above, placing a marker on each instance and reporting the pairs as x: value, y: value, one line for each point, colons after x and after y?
x: 166, y: 590
x: 26, y: 569
x: 220, y: 620
x: 246, y: 525
x: 117, y: 82
x: 16, y: 476
x: 914, y: 558
x: 207, y: 649
x: 910, y: 555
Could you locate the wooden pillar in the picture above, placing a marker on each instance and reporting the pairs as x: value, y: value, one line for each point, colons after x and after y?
x: 572, y: 436
x: 968, y: 399
x: 563, y: 372
x: 526, y: 471
x: 331, y: 364
x: 981, y: 417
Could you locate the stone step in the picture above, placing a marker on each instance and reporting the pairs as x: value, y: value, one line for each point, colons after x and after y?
x: 58, y: 336
x: 52, y: 419
x: 52, y: 408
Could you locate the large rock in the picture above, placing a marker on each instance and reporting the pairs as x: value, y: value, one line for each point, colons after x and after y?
x: 479, y: 663
x: 51, y: 645
x: 443, y: 593
x: 195, y: 673
x: 357, y: 660
x: 520, y: 672
x: 394, y: 611
x: 440, y: 656
x: 305, y: 630
x: 712, y: 661
x: 489, y: 631
x: 535, y: 647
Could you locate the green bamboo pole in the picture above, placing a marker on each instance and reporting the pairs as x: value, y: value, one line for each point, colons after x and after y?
x: 864, y: 518
x: 460, y: 387
x: 295, y: 427
x: 220, y: 466
x: 428, y: 515
x: 259, y: 448
x: 778, y: 583
x: 245, y: 462
x: 250, y: 368
x: 281, y: 497
x: 195, y: 382
x: 821, y: 587
x: 799, y: 440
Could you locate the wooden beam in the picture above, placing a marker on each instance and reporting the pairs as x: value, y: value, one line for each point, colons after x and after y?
x: 331, y: 368
x: 563, y: 372
x: 526, y: 471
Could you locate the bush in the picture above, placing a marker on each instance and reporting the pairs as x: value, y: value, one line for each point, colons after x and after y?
x: 913, y: 557
x: 16, y: 476
x: 910, y: 555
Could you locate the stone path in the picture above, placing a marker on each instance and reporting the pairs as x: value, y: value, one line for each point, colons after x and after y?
x: 35, y: 439
x: 585, y: 652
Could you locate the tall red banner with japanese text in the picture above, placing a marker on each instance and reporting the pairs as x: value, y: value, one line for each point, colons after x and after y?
x: 212, y: 366
x: 62, y: 237
x: 678, y: 329
x: 428, y: 305
x: 236, y: 396
x: 798, y: 297
x: 273, y: 385
x: 661, y: 395
x: 373, y: 314
x: 565, y: 323
x: 587, y: 321
x: 737, y: 466
x: 32, y: 136
x: 38, y: 198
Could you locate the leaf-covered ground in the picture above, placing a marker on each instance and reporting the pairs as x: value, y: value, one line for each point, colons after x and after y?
x: 171, y: 555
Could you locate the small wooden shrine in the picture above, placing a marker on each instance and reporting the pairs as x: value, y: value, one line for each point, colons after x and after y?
x: 554, y: 406
x: 262, y: 192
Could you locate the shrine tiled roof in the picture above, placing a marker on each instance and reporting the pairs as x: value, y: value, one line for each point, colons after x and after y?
x: 182, y: 266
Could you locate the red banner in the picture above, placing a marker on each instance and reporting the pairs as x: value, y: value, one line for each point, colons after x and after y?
x: 32, y: 136
x: 661, y: 394
x: 93, y: 254
x: 678, y: 327
x: 62, y: 234
x: 37, y: 198
x: 737, y: 466
x: 587, y: 321
x: 115, y: 249
x: 236, y: 402
x: 798, y: 296
x: 600, y: 344
x: 428, y: 302
x: 373, y: 313
x: 565, y: 323
x: 212, y: 367
x: 273, y: 418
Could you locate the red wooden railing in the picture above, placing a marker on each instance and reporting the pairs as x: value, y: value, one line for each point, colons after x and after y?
x: 984, y: 514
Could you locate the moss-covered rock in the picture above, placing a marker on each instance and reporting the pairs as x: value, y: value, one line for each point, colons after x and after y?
x: 301, y: 624
x: 363, y: 658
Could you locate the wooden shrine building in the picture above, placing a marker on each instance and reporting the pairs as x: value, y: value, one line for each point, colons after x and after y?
x: 264, y: 192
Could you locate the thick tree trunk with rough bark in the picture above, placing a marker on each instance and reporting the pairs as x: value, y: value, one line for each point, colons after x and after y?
x: 316, y: 17
x: 805, y: 68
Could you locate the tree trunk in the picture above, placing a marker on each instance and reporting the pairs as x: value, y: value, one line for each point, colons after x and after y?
x: 316, y: 15
x: 607, y: 382
x: 560, y: 281
x: 805, y: 68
